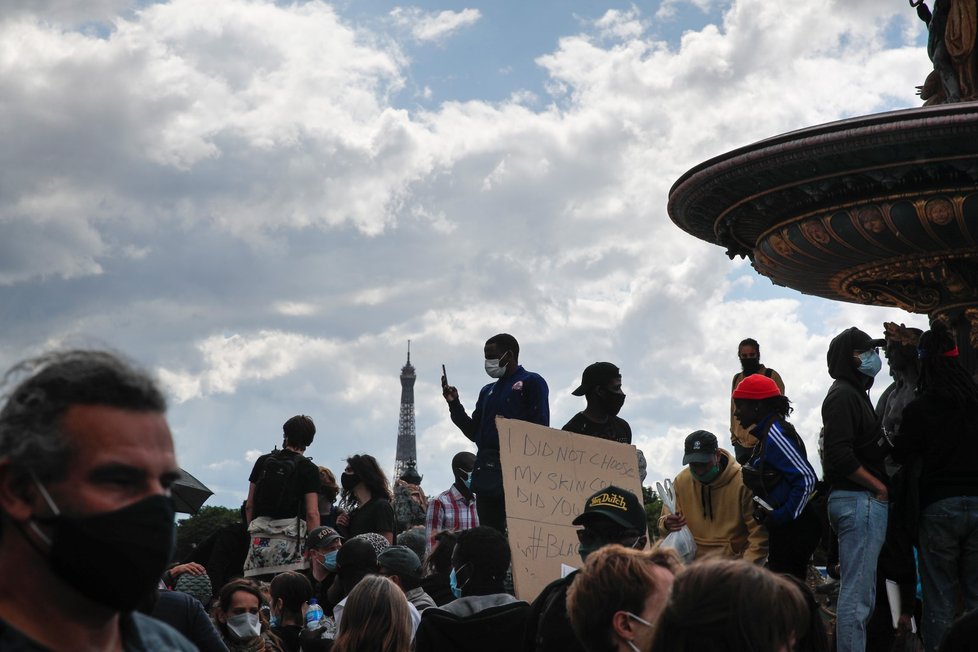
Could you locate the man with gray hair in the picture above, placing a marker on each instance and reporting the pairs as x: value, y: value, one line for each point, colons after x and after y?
x: 86, y: 518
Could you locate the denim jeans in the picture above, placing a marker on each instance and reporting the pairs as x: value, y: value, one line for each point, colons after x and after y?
x: 860, y: 522
x: 948, y: 551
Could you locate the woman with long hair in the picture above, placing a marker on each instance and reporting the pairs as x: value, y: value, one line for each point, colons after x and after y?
x: 779, y: 474
x: 289, y: 591
x: 375, y: 618
x: 239, y: 621
x: 367, y: 497
x: 939, y: 439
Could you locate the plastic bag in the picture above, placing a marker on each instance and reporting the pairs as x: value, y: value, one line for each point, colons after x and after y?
x: 682, y: 539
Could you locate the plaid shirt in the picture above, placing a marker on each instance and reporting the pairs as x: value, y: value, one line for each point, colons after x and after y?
x: 449, y: 511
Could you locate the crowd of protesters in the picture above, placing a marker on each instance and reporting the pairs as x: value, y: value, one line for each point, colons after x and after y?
x: 86, y: 459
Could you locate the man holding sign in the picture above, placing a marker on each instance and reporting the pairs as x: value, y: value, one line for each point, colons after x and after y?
x: 516, y: 394
x: 611, y: 515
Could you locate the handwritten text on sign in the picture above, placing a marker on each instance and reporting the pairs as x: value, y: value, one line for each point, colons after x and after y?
x: 547, y: 475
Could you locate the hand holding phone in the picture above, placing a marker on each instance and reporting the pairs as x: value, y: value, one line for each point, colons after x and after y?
x: 761, y: 510
x: 449, y: 392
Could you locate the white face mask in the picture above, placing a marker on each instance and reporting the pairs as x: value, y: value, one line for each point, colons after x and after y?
x: 494, y: 369
x: 641, y: 620
x: 245, y: 626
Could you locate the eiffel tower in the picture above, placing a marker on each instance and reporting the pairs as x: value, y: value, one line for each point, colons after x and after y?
x: 407, y: 456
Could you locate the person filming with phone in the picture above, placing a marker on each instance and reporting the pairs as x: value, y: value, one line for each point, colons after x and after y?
x: 779, y: 474
x: 515, y: 394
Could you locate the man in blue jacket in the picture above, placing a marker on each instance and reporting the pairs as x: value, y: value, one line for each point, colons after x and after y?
x: 516, y: 394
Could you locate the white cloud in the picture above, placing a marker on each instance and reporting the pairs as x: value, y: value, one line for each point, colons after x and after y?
x: 434, y: 27
x: 230, y: 192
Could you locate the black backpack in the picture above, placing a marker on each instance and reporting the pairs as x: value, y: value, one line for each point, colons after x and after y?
x: 275, y: 491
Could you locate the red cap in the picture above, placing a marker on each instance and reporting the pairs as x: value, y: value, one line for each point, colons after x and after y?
x: 756, y: 387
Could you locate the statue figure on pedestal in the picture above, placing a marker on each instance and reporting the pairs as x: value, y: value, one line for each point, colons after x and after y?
x: 951, y: 47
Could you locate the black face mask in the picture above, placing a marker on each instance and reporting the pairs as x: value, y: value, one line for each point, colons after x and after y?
x: 750, y: 365
x: 349, y: 481
x: 113, y: 558
x: 612, y: 402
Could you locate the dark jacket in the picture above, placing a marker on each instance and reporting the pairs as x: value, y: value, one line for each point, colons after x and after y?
x: 185, y: 614
x: 848, y: 417
x: 548, y: 628
x: 473, y: 624
x: 944, y: 437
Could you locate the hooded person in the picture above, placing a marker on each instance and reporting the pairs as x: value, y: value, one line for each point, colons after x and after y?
x: 712, y: 500
x: 854, y: 449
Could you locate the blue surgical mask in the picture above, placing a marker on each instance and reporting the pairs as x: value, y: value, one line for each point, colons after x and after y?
x: 329, y: 561
x: 467, y: 480
x: 453, y: 583
x: 869, y: 363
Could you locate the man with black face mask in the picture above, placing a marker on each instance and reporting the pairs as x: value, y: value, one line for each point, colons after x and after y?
x: 749, y: 354
x: 601, y: 387
x: 86, y: 464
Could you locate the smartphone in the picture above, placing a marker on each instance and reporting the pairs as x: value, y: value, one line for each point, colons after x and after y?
x: 763, y: 504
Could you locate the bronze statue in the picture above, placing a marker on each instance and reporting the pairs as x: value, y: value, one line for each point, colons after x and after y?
x: 951, y: 47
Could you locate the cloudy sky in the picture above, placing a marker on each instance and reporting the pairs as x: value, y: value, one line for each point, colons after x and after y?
x: 263, y: 202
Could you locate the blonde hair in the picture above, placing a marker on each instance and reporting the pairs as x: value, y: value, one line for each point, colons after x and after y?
x: 375, y: 618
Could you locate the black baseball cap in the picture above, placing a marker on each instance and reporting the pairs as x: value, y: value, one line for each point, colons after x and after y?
x: 620, y: 505
x: 599, y: 373
x: 700, y: 447
x: 400, y: 560
x: 322, y: 536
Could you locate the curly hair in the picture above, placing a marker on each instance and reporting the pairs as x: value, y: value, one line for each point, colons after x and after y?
x: 371, y: 475
x: 327, y: 484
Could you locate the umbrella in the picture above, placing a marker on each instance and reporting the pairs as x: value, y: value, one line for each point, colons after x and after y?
x: 188, y: 493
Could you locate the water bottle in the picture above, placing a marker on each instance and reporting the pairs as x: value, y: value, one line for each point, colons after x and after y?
x: 314, y: 614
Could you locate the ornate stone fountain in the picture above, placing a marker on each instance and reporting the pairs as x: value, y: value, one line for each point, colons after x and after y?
x: 880, y: 210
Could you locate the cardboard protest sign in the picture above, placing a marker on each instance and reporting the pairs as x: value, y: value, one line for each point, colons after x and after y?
x: 547, y: 475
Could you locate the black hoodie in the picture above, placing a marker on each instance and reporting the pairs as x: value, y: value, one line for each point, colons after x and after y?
x: 848, y: 415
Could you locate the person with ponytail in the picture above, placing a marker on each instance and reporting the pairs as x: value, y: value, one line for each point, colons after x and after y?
x: 939, y: 431
x: 779, y: 474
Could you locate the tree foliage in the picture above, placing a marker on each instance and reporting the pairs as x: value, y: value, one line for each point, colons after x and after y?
x: 653, y: 509
x: 192, y: 531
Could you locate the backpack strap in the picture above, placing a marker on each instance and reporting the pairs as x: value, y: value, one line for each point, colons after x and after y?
x: 768, y: 371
